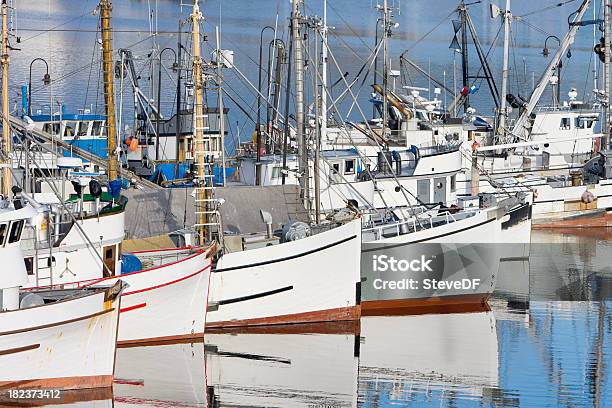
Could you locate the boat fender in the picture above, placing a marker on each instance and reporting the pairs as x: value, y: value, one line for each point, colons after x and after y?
x: 587, y: 197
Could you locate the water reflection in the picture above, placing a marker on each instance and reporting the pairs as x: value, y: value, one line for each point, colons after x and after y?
x: 553, y: 354
x: 283, y: 370
x: 414, y: 359
x: 161, y: 375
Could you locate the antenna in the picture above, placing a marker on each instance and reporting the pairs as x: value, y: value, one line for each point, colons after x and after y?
x: 388, y: 26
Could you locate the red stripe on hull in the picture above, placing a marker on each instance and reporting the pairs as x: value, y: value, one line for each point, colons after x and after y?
x: 444, y: 304
x: 330, y: 315
x: 138, y: 306
x: 167, y: 283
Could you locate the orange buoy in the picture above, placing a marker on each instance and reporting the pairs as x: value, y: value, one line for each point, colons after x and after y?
x: 133, y: 144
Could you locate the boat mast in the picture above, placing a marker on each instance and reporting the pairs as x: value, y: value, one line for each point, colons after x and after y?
x: 109, y: 95
x: 221, y: 146
x: 504, y: 89
x: 464, y: 53
x: 202, y: 193
x: 317, y: 123
x: 6, y: 134
x: 299, y: 103
x: 324, y: 73
x: 605, y: 128
x: 387, y: 29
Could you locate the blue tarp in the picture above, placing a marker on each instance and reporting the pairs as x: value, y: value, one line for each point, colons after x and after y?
x: 130, y: 263
x: 167, y: 173
x: 114, y: 188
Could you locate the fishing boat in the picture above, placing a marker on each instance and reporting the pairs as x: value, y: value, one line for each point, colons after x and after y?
x: 432, y: 262
x: 168, y: 289
x: 302, y: 274
x: 313, y: 279
x: 407, y: 193
x: 553, y: 151
x: 54, y: 339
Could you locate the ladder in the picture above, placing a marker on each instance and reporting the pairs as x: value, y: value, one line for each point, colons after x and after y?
x: 206, y: 202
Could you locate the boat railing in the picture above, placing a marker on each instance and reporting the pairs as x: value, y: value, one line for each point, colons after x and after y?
x: 411, y: 225
x: 431, y: 149
x: 565, y: 108
x: 159, y: 258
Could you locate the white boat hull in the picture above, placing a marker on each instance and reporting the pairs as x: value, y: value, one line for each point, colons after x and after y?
x: 314, y: 279
x: 462, y: 262
x: 166, y: 302
x: 62, y: 345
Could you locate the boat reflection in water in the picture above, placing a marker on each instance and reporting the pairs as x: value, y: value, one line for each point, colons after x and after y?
x: 283, y: 370
x: 418, y: 359
x: 168, y: 375
x: 395, y: 360
x: 574, y: 267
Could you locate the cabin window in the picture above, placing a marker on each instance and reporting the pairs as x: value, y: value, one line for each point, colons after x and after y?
x: 578, y: 124
x: 2, y: 233
x: 453, y: 183
x: 276, y: 172
x: 83, y: 126
x: 565, y: 123
x: 15, y: 234
x: 590, y: 123
x: 52, y: 128
x: 70, y: 128
x: 96, y: 129
x: 349, y: 166
x: 334, y: 172
x: 29, y: 265
x: 50, y: 262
